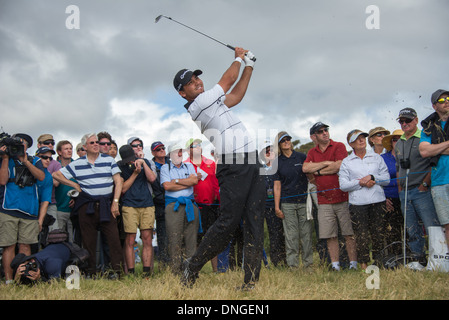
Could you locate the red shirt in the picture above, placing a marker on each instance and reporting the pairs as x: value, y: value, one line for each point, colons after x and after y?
x: 207, y: 190
x: 335, y: 151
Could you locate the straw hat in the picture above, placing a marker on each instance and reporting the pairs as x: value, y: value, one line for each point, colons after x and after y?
x: 386, y: 141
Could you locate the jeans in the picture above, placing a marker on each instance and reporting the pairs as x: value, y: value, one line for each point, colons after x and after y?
x: 419, y: 207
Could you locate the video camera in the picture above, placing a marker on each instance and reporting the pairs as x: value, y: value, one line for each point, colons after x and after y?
x: 14, y: 145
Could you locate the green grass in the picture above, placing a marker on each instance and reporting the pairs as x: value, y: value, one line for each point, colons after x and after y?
x: 317, y: 283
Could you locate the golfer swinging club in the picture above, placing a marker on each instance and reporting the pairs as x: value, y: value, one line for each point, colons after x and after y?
x: 242, y: 191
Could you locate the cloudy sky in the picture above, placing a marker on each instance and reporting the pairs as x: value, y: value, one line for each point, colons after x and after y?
x: 316, y: 61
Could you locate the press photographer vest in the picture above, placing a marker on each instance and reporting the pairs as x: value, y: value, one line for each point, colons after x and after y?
x: 24, y: 199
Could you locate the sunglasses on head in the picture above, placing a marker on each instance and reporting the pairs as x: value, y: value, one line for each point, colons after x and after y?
x: 407, y: 120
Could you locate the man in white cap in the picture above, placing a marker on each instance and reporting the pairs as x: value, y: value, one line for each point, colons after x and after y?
x: 182, y: 219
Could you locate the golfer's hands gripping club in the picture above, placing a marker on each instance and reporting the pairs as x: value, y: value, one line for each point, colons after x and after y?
x: 246, y: 56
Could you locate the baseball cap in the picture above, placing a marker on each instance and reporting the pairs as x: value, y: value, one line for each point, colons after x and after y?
x: 175, y: 146
x: 156, y: 144
x: 436, y: 95
x: 407, y: 113
x: 317, y: 126
x: 354, y: 134
x: 192, y: 141
x: 132, y: 139
x: 183, y: 77
x: 127, y: 153
x: 44, y: 149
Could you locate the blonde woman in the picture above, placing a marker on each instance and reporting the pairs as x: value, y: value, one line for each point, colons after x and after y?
x: 290, y: 196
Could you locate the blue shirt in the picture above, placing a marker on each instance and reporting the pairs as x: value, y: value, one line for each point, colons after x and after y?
x: 21, y: 202
x: 172, y: 173
x: 45, y: 187
x: 294, y: 182
x: 440, y: 173
x: 391, y: 191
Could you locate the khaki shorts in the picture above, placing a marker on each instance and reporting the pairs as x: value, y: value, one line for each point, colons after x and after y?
x: 134, y: 218
x: 330, y: 216
x: 16, y: 230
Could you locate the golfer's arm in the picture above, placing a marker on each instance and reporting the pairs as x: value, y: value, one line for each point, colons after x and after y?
x: 230, y: 76
x: 238, y: 92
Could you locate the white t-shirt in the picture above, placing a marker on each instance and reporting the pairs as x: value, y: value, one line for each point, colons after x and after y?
x: 219, y: 124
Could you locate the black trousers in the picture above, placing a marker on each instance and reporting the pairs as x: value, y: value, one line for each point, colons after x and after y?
x: 242, y: 198
x: 368, y: 222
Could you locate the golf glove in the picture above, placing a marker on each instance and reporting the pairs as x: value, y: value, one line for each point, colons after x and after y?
x: 250, y: 59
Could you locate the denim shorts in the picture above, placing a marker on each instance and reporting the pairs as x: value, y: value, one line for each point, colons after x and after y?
x: 440, y: 196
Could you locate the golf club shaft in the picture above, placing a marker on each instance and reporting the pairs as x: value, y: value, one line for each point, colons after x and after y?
x: 182, y: 24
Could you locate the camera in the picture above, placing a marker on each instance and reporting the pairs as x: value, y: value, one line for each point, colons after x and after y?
x: 132, y: 166
x: 405, y: 163
x: 14, y: 145
x: 30, y: 266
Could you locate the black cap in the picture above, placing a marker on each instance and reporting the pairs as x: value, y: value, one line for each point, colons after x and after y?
x: 183, y: 77
x: 408, y: 113
x: 436, y: 95
x: 317, y: 126
x: 127, y: 153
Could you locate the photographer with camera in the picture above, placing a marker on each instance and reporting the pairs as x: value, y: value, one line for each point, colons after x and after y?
x: 45, y: 265
x: 409, y: 162
x: 19, y: 211
x: 137, y: 205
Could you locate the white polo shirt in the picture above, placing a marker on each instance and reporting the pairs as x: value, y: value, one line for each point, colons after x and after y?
x: 219, y: 124
x: 95, y: 179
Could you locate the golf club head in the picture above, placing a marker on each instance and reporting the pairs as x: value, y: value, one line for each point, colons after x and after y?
x: 158, y: 18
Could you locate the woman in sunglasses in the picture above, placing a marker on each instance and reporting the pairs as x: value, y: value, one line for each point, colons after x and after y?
x: 375, y: 139
x: 290, y: 197
x: 362, y: 174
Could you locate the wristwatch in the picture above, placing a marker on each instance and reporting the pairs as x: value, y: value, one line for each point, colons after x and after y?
x: 116, y: 200
x: 425, y: 184
x: 177, y: 181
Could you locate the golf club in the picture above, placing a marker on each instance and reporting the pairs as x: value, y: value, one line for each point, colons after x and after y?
x: 169, y: 18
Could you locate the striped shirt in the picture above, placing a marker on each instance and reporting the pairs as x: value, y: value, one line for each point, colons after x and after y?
x: 96, y: 179
x: 219, y: 124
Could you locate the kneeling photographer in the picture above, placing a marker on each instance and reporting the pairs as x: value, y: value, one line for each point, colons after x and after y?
x: 19, y: 209
x: 49, y: 263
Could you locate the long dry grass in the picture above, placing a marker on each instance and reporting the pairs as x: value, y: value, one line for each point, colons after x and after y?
x: 275, y: 284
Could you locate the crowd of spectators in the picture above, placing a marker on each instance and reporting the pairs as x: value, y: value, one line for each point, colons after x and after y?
x: 357, y: 208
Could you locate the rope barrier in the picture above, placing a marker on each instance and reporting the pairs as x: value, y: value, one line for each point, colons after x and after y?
x: 307, y: 193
